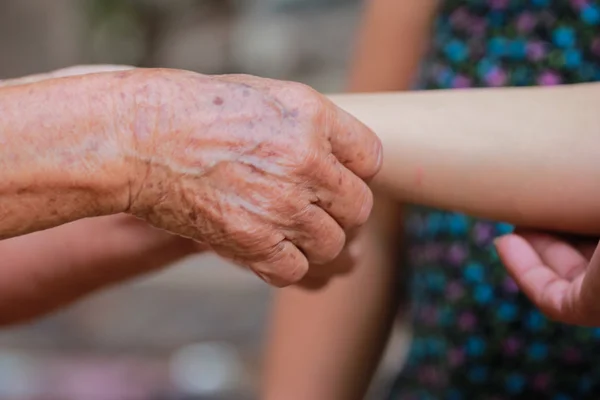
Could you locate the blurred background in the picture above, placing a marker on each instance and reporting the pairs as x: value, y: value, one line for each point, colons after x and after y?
x: 195, y: 331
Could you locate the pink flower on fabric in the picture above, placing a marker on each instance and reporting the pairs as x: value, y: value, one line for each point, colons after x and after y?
x: 499, y: 4
x: 457, y: 254
x: 454, y: 291
x: 429, y: 315
x: 536, y: 51
x: 511, y: 346
x: 467, y: 321
x: 477, y: 26
x: 429, y: 375
x: 483, y: 233
x: 460, y: 18
x: 433, y: 252
x: 496, y: 77
x: 572, y: 355
x: 541, y: 382
x: 549, y: 78
x: 510, y: 286
x: 579, y: 4
x: 526, y: 22
x: 461, y: 82
x: 456, y: 357
x: 595, y: 46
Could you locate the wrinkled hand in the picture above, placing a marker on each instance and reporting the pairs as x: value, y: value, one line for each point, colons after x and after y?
x: 560, y: 274
x: 266, y: 173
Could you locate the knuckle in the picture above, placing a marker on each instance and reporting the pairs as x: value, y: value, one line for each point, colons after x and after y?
x: 305, y: 98
x: 285, y: 264
x: 308, y: 158
x: 364, y: 206
x: 302, y: 91
x: 334, y: 244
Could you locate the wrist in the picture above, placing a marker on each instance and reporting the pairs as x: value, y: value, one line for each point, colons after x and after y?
x: 155, y: 107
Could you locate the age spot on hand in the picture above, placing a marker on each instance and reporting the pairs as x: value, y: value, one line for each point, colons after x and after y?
x: 218, y: 101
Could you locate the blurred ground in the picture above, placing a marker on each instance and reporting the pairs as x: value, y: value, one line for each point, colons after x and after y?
x: 141, y: 327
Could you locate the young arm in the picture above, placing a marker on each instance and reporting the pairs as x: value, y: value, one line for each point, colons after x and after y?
x: 528, y: 156
x: 325, y: 344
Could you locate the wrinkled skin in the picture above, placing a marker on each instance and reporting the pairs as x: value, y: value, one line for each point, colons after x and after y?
x: 269, y: 174
x: 560, y: 274
x: 126, y: 247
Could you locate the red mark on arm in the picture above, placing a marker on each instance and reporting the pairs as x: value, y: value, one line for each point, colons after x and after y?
x: 419, y: 174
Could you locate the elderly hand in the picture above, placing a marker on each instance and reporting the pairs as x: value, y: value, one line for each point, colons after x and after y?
x: 560, y: 274
x: 266, y: 173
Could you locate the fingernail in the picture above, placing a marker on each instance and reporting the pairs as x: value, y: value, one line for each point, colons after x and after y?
x: 263, y: 277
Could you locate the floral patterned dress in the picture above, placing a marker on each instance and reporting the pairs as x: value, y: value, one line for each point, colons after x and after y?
x: 475, y: 335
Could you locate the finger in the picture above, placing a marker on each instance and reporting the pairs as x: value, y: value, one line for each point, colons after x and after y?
x: 342, y: 194
x: 317, y: 235
x: 562, y: 257
x: 541, y: 284
x: 590, y: 288
x: 353, y: 143
x: 283, y: 266
x: 346, y: 262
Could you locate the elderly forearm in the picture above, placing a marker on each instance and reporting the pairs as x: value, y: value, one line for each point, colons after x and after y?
x: 523, y: 155
x: 60, y: 153
x: 71, y: 260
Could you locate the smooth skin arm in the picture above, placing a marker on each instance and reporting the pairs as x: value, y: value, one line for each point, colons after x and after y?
x: 527, y: 156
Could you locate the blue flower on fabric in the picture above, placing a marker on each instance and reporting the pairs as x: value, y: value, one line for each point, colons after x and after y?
x: 445, y: 78
x: 535, y: 320
x: 474, y: 272
x: 507, y: 312
x: 434, y: 223
x: 454, y: 394
x: 497, y: 46
x: 456, y: 51
x: 538, y: 351
x: 483, y: 294
x: 418, y: 349
x: 590, y: 14
x: 435, y: 347
x: 587, y: 71
x: 484, y: 67
x: 446, y: 316
x: 515, y: 383
x: 564, y: 37
x: 458, y: 224
x: 517, y: 49
x: 521, y: 76
x: 503, y: 228
x: 496, y: 19
x: 423, y: 395
x: 561, y: 396
x: 572, y: 58
x: 436, y: 281
x: 477, y: 374
x: 540, y: 3
x: 475, y: 346
x: 585, y: 385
